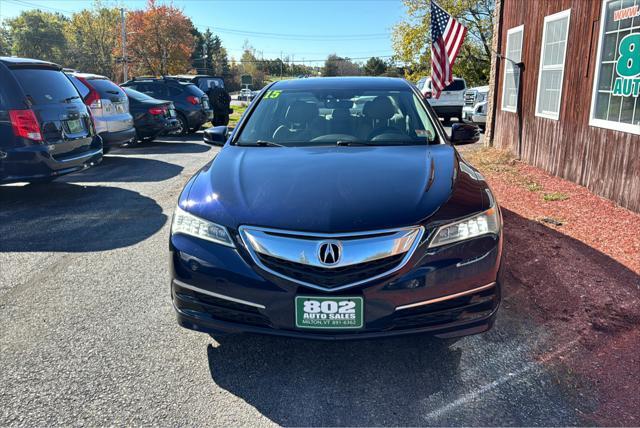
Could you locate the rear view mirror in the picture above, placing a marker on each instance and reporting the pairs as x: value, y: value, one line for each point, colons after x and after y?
x: 217, y: 135
x: 464, y: 133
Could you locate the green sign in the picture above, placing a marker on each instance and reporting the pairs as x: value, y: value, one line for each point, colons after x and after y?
x: 329, y: 312
x: 246, y: 79
x: 628, y: 67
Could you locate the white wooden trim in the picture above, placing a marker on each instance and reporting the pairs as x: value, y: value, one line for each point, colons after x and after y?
x: 547, y: 19
x: 519, y: 28
x: 601, y: 123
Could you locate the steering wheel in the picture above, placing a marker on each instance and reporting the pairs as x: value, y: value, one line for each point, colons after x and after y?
x: 332, y: 138
x: 390, y: 133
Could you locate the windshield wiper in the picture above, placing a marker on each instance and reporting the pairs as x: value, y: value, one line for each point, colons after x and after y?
x: 69, y: 99
x: 352, y: 143
x: 263, y: 143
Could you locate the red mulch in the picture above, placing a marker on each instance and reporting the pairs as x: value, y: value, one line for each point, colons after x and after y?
x: 580, y: 280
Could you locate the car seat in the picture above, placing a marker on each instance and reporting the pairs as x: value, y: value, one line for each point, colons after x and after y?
x: 298, y: 119
x: 377, y: 113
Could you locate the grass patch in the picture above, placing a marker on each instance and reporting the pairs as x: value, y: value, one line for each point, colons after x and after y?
x: 235, y: 116
x: 491, y: 160
x: 555, y: 196
x: 532, y: 186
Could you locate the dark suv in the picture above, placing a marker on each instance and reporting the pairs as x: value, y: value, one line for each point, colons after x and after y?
x: 192, y: 105
x: 219, y: 98
x: 45, y: 128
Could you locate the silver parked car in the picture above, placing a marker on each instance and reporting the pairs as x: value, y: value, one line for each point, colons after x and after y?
x: 109, y: 107
x: 475, y: 106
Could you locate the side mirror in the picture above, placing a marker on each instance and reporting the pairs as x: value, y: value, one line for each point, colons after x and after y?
x: 216, y: 135
x: 464, y: 133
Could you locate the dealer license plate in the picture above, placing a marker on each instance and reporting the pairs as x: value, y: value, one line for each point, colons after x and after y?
x: 75, y: 126
x: 329, y: 312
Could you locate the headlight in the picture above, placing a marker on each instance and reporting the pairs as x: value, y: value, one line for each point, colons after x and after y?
x: 188, y: 224
x: 480, y: 224
x: 480, y: 97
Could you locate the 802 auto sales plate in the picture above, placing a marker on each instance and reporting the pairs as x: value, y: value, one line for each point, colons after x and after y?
x: 313, y: 312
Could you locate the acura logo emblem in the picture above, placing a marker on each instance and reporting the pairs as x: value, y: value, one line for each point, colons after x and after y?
x: 330, y: 252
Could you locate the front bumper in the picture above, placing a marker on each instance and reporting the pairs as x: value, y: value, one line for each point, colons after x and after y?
x: 479, y: 118
x: 447, y: 292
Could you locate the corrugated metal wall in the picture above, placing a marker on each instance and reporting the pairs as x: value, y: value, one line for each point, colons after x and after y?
x: 605, y: 161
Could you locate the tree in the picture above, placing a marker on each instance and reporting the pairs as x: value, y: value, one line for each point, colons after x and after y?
x: 217, y: 61
x: 331, y: 65
x: 338, y: 66
x: 5, y: 41
x: 412, y: 42
x: 250, y: 65
x: 219, y: 58
x: 93, y: 36
x: 375, y: 67
x: 160, y: 40
x: 40, y: 35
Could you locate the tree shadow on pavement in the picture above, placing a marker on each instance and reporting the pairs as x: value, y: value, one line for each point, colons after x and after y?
x: 121, y: 169
x: 66, y: 217
x: 310, y: 383
x: 403, y: 381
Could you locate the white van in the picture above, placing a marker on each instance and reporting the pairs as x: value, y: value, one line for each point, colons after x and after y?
x: 451, y: 100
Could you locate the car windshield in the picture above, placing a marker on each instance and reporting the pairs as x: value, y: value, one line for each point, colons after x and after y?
x: 310, y: 117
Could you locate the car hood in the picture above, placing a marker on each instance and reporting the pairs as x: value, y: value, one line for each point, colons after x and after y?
x: 330, y: 189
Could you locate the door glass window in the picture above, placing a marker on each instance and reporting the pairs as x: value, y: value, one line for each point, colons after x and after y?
x: 616, y: 88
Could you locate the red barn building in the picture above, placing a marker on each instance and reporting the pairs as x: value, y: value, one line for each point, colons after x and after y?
x: 566, y: 89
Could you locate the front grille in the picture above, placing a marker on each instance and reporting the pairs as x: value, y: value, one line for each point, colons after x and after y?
x: 331, y: 278
x: 464, y: 308
x: 470, y: 98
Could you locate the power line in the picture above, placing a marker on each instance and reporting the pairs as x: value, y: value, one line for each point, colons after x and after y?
x: 322, y: 37
x: 312, y: 60
x: 40, y: 6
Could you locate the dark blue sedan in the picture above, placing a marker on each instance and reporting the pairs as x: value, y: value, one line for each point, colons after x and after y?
x: 338, y: 208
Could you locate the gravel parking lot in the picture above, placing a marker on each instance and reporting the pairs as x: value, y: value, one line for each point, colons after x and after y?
x: 89, y: 337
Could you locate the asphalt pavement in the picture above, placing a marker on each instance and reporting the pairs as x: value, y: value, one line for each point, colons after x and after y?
x: 89, y: 335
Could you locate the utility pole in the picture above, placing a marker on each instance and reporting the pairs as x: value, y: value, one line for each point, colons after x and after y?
x: 281, y: 64
x: 125, y: 63
x: 204, y: 58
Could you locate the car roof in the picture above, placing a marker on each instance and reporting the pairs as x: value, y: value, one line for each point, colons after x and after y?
x: 90, y: 76
x: 355, y: 82
x: 166, y: 79
x: 10, y: 60
x: 193, y: 76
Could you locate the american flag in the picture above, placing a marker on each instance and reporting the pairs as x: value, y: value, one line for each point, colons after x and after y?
x: 447, y: 36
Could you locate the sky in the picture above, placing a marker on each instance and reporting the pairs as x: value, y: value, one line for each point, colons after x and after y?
x: 304, y: 30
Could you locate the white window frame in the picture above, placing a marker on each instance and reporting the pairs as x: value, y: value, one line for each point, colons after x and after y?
x: 550, y: 18
x: 602, y: 123
x: 507, y: 63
